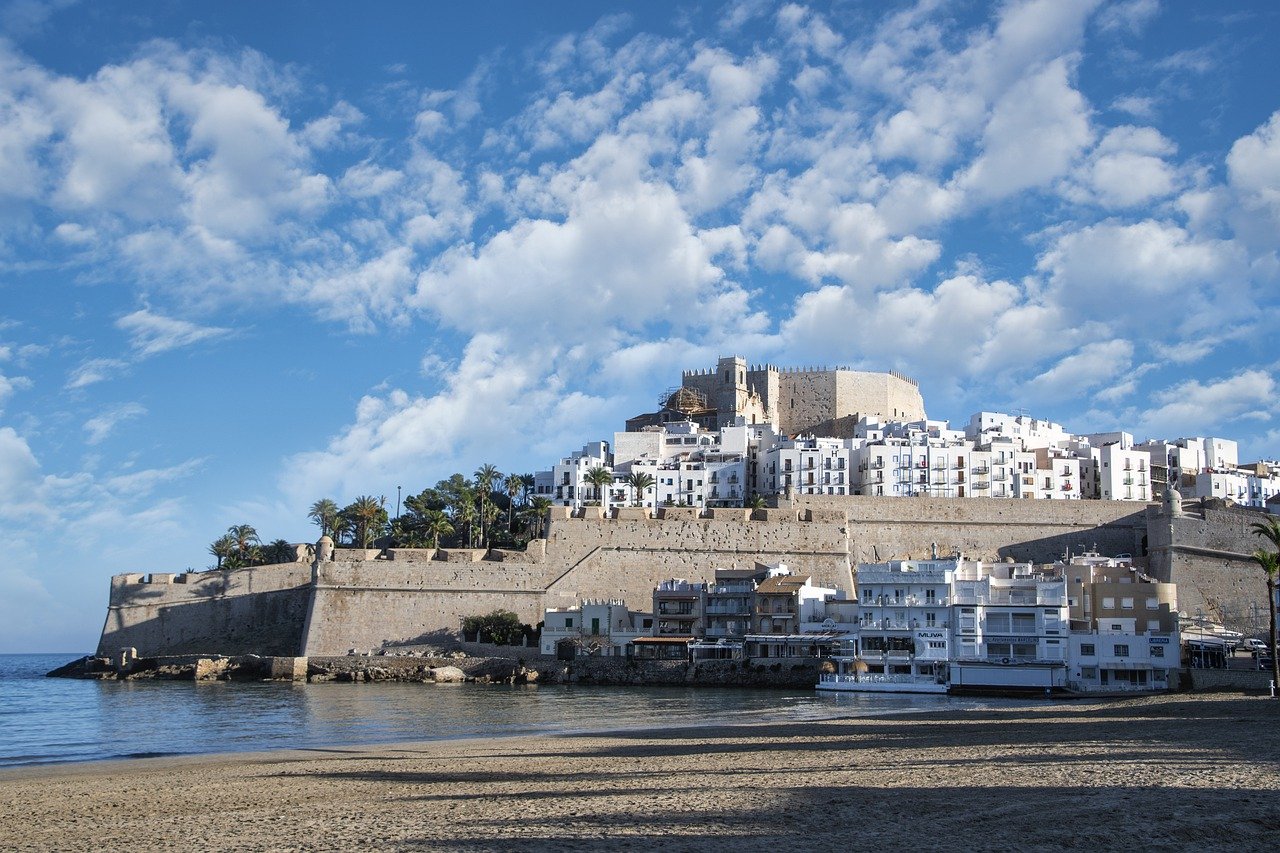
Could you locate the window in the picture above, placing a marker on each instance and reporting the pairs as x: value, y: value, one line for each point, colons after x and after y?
x: 1126, y: 604
x: 1109, y: 603
x: 1153, y: 624
x: 1122, y: 650
x: 1153, y: 604
x: 568, y: 623
x: 1087, y: 650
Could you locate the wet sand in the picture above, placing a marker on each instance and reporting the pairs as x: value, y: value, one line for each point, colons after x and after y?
x: 1180, y: 773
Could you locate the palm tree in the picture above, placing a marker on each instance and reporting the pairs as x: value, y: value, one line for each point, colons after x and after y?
x: 599, y: 477
x: 756, y: 502
x: 246, y: 542
x: 1270, y: 563
x: 222, y: 548
x: 280, y: 551
x: 340, y: 528
x: 486, y: 475
x: 640, y: 482
x: 368, y: 517
x: 435, y: 525
x: 528, y: 482
x: 513, y: 485
x: 535, y: 514
x: 324, y: 512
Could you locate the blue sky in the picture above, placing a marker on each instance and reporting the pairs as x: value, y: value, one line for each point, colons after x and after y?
x: 253, y: 254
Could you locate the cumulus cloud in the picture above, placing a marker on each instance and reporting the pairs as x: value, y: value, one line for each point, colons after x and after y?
x: 1195, y: 406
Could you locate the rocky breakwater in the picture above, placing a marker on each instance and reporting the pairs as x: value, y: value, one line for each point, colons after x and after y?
x: 418, y: 668
x: 788, y: 673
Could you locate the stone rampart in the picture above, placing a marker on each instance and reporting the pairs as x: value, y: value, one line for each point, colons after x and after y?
x: 406, y: 596
x: 1205, y: 551
x: 885, y: 528
x: 258, y: 610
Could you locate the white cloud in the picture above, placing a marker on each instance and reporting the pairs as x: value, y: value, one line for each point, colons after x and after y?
x: 141, y: 483
x: 1253, y: 168
x: 1129, y: 16
x: 151, y: 334
x: 1037, y: 130
x: 1152, y: 273
x: 624, y: 255
x: 101, y: 425
x: 95, y: 370
x: 1128, y: 167
x: 20, y: 481
x: 1194, y: 406
x: 1092, y: 365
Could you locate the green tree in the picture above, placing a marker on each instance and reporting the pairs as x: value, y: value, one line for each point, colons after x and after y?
x: 436, y: 526
x: 600, y: 477
x: 324, y: 512
x: 368, y: 517
x: 756, y: 502
x: 513, y: 485
x: 222, y: 548
x: 501, y: 627
x: 640, y: 482
x: 279, y: 551
x: 486, y: 477
x: 246, y: 550
x: 1270, y: 564
x: 535, y: 516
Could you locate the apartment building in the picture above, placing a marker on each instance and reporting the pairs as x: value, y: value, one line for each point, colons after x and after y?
x: 1124, y: 627
x: 1010, y: 627
x: 604, y: 628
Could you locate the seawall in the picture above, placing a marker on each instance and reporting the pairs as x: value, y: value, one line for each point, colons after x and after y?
x: 365, y: 600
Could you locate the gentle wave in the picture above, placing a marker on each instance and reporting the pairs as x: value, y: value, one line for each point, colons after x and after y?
x: 49, y: 720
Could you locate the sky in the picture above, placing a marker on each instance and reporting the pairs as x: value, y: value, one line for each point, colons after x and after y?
x: 256, y: 254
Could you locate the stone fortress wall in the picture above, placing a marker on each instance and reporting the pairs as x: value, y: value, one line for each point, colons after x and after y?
x: 365, y: 599
x: 1204, y: 547
x: 795, y: 399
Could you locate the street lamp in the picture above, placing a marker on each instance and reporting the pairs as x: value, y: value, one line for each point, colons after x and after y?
x: 397, y: 503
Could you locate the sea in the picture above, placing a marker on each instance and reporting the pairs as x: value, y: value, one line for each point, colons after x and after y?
x: 56, y: 720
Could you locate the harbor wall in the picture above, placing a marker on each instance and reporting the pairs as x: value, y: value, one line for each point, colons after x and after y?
x: 258, y: 610
x: 1205, y: 549
x: 363, y: 600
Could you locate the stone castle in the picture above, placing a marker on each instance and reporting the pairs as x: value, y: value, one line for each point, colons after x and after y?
x: 364, y: 600
x: 792, y: 401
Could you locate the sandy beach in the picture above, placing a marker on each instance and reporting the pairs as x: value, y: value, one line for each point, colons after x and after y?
x: 1177, y: 772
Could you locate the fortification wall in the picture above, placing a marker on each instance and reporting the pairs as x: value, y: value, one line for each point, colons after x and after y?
x: 883, y: 394
x: 882, y: 528
x: 612, y: 558
x: 406, y: 596
x: 1205, y: 551
x: 805, y: 399
x: 363, y: 605
x: 259, y: 610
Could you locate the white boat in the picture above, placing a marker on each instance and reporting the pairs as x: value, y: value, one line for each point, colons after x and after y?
x: 854, y: 675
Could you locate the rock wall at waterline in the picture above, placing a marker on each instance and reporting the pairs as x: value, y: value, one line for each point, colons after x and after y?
x: 369, y: 599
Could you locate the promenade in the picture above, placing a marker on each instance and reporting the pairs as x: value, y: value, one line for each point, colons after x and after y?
x: 1171, y: 772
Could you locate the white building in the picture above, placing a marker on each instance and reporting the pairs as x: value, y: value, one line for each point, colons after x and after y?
x: 565, y: 484
x: 595, y: 628
x: 1010, y: 627
x: 902, y: 640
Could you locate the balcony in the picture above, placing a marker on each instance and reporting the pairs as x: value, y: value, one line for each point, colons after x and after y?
x: 981, y: 469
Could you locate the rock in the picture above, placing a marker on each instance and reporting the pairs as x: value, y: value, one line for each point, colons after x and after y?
x: 446, y: 675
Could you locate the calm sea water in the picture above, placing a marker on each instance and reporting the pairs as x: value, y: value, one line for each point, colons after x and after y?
x: 46, y: 720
